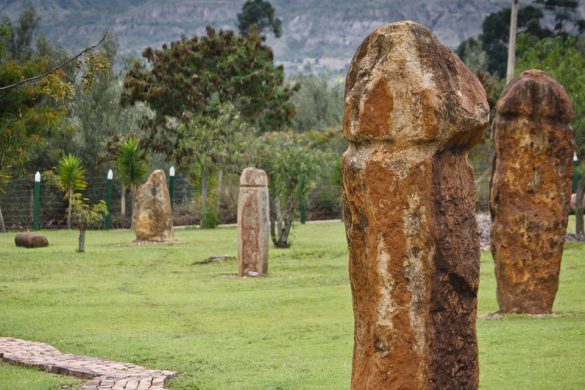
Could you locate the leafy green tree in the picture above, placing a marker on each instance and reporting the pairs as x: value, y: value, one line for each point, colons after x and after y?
x: 132, y: 168
x: 87, y: 216
x: 96, y: 115
x: 214, y: 142
x: 318, y: 102
x: 70, y: 177
x: 293, y: 163
x: 531, y: 19
x: 563, y: 60
x: 187, y: 76
x: 259, y: 13
x: 33, y: 85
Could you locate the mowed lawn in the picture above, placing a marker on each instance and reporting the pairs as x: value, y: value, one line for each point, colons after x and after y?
x: 152, y: 306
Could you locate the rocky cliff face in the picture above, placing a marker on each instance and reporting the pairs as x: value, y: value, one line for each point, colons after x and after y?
x: 317, y: 33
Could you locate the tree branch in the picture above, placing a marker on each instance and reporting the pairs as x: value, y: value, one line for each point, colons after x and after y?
x: 41, y: 76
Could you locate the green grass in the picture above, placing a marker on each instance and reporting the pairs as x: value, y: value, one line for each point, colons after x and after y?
x: 291, y: 330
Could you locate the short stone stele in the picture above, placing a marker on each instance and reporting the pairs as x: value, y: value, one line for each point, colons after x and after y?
x: 412, y: 112
x: 253, y: 223
x: 531, y: 191
x: 153, y: 216
x: 31, y: 240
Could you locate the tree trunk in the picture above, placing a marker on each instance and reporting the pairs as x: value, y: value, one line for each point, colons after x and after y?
x: 283, y: 223
x: 2, y: 225
x: 579, y: 209
x: 81, y: 241
x: 273, y: 218
x: 219, y: 184
x: 133, y: 198
x: 70, y: 198
x: 203, y: 189
x: 123, y: 201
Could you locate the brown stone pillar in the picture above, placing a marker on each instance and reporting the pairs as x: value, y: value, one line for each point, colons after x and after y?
x: 153, y: 218
x: 253, y: 223
x: 412, y: 112
x: 531, y: 191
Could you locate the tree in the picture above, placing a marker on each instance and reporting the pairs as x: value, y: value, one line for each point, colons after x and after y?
x: 563, y: 60
x: 215, y: 142
x: 33, y: 84
x: 531, y: 19
x: 318, y: 102
x: 96, y: 115
x: 70, y: 177
x: 258, y: 13
x: 87, y: 216
x: 293, y: 163
x: 132, y: 168
x: 190, y: 74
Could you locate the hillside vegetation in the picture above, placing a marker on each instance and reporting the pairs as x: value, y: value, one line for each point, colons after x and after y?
x: 317, y: 33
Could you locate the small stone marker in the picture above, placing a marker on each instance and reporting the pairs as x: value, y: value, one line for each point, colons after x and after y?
x: 531, y: 191
x: 412, y: 112
x: 31, y: 240
x: 153, y: 218
x: 253, y: 223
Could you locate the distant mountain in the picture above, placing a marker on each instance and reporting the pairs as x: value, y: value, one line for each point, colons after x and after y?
x: 322, y: 34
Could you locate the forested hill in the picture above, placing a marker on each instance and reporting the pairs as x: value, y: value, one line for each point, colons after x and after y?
x: 324, y: 33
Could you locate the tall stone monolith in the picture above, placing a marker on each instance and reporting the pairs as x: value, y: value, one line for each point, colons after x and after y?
x: 530, y: 191
x: 412, y: 112
x: 153, y: 217
x: 253, y: 223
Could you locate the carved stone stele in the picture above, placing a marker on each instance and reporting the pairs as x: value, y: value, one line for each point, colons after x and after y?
x: 531, y: 191
x: 412, y: 112
x: 253, y: 223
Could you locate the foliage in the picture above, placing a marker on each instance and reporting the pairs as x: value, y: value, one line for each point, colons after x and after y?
x: 564, y: 60
x: 531, y: 19
x: 96, y: 115
x: 209, y: 218
x: 131, y: 164
x: 131, y: 167
x: 293, y: 163
x: 87, y: 216
x: 70, y: 177
x: 259, y: 13
x: 213, y: 142
x: 318, y: 102
x: 189, y: 75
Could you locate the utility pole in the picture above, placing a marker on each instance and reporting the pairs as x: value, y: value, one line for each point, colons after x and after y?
x: 512, y: 42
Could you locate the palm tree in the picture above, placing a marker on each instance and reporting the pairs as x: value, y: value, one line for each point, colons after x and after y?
x: 70, y: 178
x: 132, y: 168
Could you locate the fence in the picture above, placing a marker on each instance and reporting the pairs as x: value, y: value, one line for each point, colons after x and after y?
x: 17, y: 203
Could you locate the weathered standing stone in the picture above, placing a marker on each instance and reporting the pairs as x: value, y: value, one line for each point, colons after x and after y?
x: 412, y: 112
x: 253, y: 223
x: 153, y: 216
x: 531, y: 191
x: 31, y: 240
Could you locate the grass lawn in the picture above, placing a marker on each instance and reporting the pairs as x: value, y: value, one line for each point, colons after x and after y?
x: 291, y: 330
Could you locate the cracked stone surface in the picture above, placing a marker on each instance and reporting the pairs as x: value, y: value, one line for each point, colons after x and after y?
x: 102, y: 374
x: 253, y: 223
x: 412, y: 112
x: 531, y: 191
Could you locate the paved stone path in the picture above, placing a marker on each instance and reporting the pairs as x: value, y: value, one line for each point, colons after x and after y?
x: 104, y: 374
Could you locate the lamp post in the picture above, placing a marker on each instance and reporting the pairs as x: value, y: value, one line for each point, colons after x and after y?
x: 109, y: 182
x: 37, y: 201
x: 172, y: 185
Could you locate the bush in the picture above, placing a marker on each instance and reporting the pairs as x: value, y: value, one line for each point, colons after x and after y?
x: 209, y: 218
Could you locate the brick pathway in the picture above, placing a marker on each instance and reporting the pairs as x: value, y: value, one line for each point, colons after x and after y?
x: 104, y: 374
